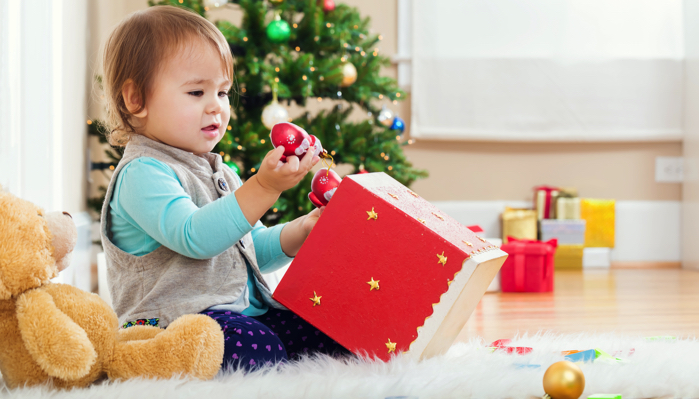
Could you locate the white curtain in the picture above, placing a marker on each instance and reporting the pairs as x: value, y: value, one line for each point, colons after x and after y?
x: 548, y: 70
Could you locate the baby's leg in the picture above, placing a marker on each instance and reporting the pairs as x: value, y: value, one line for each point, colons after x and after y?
x: 298, y: 336
x: 248, y: 343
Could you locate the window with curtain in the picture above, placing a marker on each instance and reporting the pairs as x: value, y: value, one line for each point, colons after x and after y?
x: 547, y: 70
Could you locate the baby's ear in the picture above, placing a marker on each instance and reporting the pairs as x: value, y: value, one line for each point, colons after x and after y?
x: 132, y: 99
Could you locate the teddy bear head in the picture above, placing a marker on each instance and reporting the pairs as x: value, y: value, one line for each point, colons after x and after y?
x: 34, y: 246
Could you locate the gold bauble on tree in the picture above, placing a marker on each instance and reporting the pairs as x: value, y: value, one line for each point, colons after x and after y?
x: 564, y: 380
x: 349, y: 74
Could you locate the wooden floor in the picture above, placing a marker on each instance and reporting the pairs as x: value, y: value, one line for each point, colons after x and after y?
x: 636, y: 302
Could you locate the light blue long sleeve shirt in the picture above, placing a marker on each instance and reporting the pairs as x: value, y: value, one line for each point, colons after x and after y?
x: 149, y: 208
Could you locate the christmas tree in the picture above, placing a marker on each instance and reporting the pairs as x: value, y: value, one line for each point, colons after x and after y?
x: 296, y: 51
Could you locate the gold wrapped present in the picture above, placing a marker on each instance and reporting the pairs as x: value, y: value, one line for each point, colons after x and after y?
x: 567, y: 208
x: 545, y: 201
x: 568, y: 257
x: 599, y: 215
x: 519, y: 223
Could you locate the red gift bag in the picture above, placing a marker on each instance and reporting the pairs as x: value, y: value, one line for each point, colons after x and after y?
x: 529, y: 268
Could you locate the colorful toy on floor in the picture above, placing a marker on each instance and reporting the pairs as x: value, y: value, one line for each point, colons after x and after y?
x: 502, y: 345
x: 582, y: 356
x: 564, y: 380
x: 384, y: 271
x: 60, y: 335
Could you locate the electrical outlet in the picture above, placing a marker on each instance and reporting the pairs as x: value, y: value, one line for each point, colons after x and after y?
x: 669, y: 169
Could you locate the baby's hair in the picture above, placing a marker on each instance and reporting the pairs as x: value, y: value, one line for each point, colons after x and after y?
x: 137, y: 48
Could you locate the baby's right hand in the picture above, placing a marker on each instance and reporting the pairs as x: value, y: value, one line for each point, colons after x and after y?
x: 279, y: 176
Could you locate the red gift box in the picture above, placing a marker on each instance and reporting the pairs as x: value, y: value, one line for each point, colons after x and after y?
x: 529, y: 268
x: 384, y: 271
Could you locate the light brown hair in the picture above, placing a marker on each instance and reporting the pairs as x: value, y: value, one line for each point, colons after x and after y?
x: 137, y: 48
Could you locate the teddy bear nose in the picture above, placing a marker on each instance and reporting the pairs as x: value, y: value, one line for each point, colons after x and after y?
x: 67, y: 214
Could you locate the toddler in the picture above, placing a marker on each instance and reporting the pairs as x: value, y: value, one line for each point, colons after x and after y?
x: 180, y: 231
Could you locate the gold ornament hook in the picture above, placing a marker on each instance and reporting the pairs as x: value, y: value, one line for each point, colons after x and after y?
x: 323, y: 158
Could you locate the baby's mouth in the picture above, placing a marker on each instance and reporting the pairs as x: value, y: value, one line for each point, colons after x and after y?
x: 210, y: 128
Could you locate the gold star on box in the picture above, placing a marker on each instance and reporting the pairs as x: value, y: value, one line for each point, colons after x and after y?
x: 374, y: 284
x: 372, y: 214
x: 391, y: 346
x: 315, y: 299
x: 442, y: 259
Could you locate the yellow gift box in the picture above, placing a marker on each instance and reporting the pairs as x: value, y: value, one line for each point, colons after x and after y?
x: 519, y: 223
x: 599, y: 217
x: 568, y: 257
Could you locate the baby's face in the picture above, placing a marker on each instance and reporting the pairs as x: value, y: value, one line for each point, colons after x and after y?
x: 188, y: 106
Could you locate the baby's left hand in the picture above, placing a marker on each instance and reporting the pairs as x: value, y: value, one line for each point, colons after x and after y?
x: 311, y: 219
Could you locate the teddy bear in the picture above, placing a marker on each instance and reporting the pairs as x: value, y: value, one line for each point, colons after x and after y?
x: 59, y: 335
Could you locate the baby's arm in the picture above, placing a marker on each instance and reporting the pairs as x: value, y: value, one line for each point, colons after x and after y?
x: 262, y: 190
x: 151, y: 198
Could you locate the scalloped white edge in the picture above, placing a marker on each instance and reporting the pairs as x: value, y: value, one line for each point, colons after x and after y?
x: 456, y: 305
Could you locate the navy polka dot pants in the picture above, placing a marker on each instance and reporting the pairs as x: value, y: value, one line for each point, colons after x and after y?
x: 276, y: 336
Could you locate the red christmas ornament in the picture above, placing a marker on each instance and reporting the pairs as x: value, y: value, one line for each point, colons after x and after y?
x: 294, y: 139
x: 323, y: 186
x: 328, y: 5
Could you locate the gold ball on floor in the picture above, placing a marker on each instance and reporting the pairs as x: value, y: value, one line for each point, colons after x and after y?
x: 564, y: 380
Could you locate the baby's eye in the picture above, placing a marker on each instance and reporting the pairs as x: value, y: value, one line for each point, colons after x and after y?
x: 196, y: 93
x: 222, y: 93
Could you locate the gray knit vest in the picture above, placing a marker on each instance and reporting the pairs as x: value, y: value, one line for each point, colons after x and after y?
x: 164, y: 284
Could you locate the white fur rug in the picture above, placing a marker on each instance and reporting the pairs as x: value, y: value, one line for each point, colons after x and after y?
x: 469, y: 370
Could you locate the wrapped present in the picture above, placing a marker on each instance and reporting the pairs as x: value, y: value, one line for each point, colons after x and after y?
x: 565, y: 231
x: 569, y: 257
x: 384, y: 271
x: 567, y: 208
x: 529, y: 268
x: 599, y: 215
x: 545, y: 201
x: 519, y: 223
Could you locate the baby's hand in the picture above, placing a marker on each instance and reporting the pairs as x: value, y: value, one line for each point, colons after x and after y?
x: 311, y: 219
x: 279, y: 176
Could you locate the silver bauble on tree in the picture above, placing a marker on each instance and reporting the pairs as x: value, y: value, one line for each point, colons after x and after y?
x: 385, y: 116
x: 214, y: 3
x: 274, y: 112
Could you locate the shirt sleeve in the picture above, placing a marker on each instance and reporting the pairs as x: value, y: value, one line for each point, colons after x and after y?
x: 268, y: 246
x: 152, y: 196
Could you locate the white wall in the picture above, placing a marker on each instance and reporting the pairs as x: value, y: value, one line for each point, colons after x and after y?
x: 43, y: 101
x: 43, y: 107
x: 690, y: 193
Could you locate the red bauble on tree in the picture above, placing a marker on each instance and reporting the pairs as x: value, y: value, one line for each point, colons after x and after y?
x: 323, y: 186
x: 328, y: 5
x: 294, y: 139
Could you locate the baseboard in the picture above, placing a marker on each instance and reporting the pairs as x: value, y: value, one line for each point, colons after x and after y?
x: 646, y: 265
x: 646, y: 231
